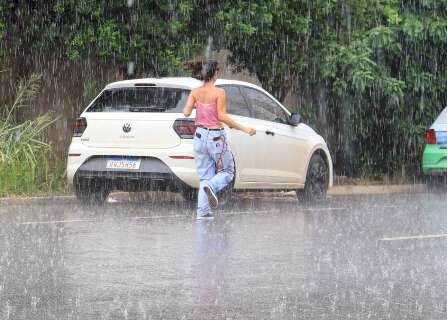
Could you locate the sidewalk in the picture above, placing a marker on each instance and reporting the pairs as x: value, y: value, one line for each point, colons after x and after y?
x: 339, y: 190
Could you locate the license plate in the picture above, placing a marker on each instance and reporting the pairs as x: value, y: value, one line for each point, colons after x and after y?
x: 123, y: 163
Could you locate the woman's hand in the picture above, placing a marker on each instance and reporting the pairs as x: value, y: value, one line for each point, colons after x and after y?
x: 249, y: 131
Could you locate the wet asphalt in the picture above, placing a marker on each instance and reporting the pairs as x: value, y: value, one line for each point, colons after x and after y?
x: 363, y: 257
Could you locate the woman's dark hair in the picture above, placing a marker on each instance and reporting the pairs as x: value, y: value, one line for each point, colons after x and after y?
x: 203, y: 70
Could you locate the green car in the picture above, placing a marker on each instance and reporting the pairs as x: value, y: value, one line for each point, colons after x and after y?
x: 434, y: 159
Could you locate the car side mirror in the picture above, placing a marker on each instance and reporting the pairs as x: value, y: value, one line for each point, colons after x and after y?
x: 294, y: 119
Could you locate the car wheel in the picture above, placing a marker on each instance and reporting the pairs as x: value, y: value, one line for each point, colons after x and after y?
x: 315, y: 188
x: 91, y: 192
x: 436, y: 183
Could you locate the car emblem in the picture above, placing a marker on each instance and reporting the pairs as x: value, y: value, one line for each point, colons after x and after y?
x: 127, y: 128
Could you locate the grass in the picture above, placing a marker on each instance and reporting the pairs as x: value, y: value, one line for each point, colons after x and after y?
x: 24, y: 154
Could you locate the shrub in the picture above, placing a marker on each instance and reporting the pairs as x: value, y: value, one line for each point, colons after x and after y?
x: 24, y: 154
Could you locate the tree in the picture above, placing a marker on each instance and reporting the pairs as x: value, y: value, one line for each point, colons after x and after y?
x: 375, y: 70
x: 387, y: 75
x: 154, y: 35
x: 268, y: 38
x: 372, y: 71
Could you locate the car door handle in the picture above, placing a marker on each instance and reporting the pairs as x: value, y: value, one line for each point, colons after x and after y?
x: 268, y: 132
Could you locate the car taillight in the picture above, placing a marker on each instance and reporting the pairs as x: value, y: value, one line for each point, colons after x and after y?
x: 79, y: 127
x: 430, y: 136
x: 185, y: 128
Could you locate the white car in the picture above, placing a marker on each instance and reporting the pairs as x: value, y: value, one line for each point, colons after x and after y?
x: 134, y: 137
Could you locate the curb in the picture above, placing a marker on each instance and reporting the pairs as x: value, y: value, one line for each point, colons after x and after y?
x: 377, y: 189
x: 37, y: 200
x: 340, y: 190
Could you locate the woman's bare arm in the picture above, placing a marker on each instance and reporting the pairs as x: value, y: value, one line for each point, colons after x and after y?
x: 225, y: 118
x: 187, y: 110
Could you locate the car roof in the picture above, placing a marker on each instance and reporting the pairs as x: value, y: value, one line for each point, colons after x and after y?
x: 177, y: 82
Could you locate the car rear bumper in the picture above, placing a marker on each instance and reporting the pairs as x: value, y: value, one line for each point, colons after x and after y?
x: 158, y: 164
x: 134, y: 181
x: 434, y: 160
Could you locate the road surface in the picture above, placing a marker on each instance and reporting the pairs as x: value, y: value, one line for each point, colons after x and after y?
x: 363, y: 257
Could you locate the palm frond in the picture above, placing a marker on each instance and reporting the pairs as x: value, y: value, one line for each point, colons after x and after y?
x: 26, y: 92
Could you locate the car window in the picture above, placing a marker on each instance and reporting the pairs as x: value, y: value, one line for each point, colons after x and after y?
x: 236, y: 103
x: 263, y: 107
x: 141, y: 99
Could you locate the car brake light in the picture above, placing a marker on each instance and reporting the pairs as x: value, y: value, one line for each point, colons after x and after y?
x: 79, y: 127
x: 430, y: 136
x: 185, y: 128
x: 144, y: 84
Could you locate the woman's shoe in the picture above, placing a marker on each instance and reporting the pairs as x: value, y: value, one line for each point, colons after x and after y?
x: 212, y: 198
x: 208, y: 216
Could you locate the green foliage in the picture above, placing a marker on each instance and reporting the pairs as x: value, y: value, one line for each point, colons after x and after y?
x: 382, y: 62
x: 268, y: 39
x: 388, y: 78
x: 379, y: 64
x: 90, y: 91
x: 156, y: 35
x: 308, y: 115
x: 2, y: 26
x: 24, y: 155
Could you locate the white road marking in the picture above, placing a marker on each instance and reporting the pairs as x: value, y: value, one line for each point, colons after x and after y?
x: 228, y: 213
x: 395, y: 206
x: 324, y: 209
x: 161, y: 217
x: 427, y: 236
x: 57, y: 221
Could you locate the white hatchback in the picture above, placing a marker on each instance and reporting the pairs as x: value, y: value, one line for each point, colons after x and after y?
x: 134, y: 137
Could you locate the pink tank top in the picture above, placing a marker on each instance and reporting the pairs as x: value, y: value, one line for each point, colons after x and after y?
x: 206, y: 114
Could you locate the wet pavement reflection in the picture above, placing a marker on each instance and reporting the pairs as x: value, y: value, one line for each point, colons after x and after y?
x: 364, y: 257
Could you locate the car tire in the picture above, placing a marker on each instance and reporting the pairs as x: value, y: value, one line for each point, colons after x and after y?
x: 91, y: 192
x: 436, y: 184
x: 315, y: 188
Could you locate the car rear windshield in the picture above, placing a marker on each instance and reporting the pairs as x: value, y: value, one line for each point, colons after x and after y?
x: 141, y: 99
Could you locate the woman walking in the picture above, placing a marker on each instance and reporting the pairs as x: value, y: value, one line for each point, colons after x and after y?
x: 214, y: 160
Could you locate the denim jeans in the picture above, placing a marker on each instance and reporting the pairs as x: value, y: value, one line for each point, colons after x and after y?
x: 215, y: 164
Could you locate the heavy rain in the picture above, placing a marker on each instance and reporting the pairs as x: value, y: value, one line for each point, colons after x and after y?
x: 238, y: 159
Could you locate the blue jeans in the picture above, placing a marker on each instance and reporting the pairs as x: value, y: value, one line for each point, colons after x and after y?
x: 215, y: 164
